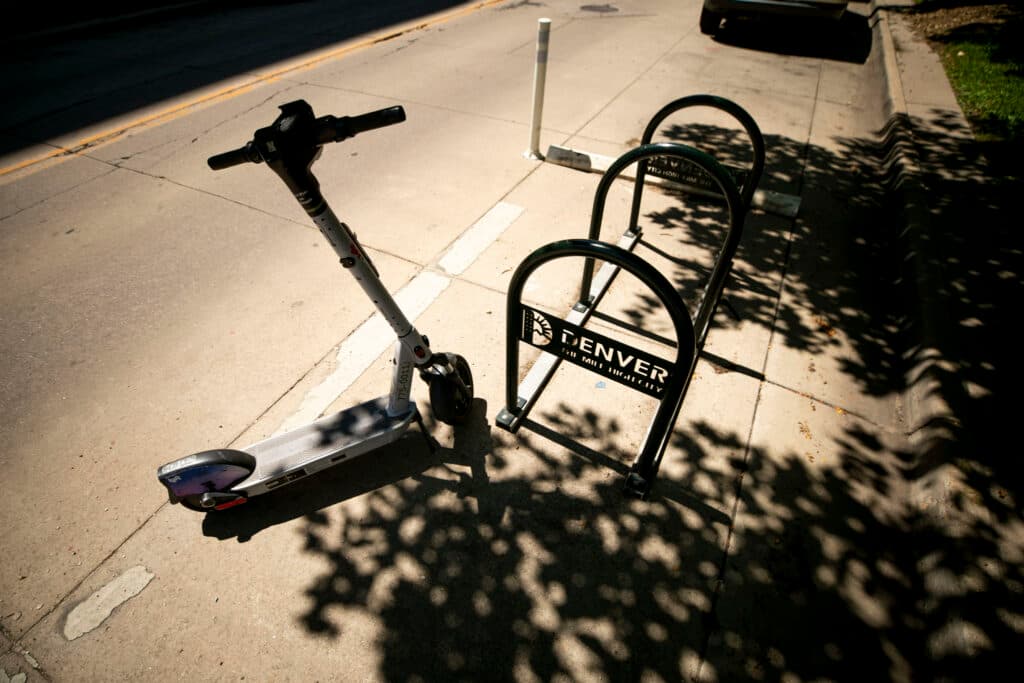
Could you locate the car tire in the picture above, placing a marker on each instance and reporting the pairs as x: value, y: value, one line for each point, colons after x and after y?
x: 709, y: 22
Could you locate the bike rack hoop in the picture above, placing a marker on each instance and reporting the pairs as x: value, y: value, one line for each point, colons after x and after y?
x: 753, y: 177
x: 671, y: 385
x: 734, y: 204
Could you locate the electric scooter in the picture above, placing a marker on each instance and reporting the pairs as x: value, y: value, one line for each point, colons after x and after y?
x: 223, y: 478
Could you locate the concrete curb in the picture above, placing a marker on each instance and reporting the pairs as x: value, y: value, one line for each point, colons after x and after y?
x: 929, y: 413
x: 932, y: 423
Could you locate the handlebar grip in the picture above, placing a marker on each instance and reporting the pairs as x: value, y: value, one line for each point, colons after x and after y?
x: 348, y: 126
x: 376, y: 119
x: 242, y: 155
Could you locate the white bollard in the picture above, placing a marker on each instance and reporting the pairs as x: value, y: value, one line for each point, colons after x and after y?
x: 539, y: 76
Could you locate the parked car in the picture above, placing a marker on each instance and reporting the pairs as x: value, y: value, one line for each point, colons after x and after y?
x: 714, y: 11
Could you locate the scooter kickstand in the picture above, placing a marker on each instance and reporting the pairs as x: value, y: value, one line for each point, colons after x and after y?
x: 432, y: 443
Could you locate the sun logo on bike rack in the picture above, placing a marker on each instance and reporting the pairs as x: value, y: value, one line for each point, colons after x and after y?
x: 540, y: 329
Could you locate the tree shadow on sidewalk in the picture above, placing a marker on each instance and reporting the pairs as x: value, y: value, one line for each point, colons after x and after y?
x: 487, y: 575
x: 515, y: 560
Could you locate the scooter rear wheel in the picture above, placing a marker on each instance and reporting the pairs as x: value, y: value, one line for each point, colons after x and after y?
x: 188, y: 478
x: 192, y: 503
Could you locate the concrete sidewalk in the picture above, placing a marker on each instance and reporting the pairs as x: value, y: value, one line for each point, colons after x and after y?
x: 814, y: 518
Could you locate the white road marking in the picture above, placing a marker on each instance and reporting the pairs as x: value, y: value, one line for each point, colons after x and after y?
x: 98, y: 606
x: 478, y: 237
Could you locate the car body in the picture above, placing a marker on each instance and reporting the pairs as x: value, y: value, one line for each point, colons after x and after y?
x: 714, y: 11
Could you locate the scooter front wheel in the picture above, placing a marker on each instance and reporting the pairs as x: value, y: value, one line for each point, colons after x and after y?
x: 451, y: 396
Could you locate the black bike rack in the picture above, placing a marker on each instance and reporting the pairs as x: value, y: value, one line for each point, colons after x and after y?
x: 692, y: 174
x: 561, y: 339
x: 745, y: 179
x: 564, y: 338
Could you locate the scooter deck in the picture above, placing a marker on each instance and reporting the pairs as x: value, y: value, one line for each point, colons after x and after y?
x: 352, y: 432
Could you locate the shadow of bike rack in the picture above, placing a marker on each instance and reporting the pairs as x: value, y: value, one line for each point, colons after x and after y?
x: 567, y: 339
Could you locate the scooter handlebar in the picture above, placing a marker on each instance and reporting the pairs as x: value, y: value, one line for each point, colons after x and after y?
x: 323, y: 130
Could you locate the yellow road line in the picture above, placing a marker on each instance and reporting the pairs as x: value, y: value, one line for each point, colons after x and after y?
x: 171, y: 113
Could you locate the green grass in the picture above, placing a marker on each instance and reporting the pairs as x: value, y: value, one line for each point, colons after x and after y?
x: 986, y: 75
